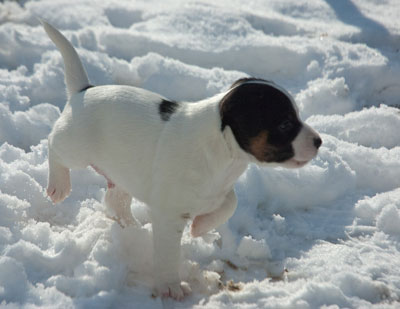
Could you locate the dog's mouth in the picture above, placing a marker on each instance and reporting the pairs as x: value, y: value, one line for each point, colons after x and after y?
x: 300, y: 163
x: 293, y: 163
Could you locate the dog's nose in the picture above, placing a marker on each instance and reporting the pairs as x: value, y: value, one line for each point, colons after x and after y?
x: 317, y: 142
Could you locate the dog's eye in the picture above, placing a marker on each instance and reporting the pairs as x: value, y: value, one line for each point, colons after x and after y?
x: 285, y: 126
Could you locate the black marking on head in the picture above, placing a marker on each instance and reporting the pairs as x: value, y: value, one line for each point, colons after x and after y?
x: 167, y: 108
x: 262, y: 119
x: 86, y: 88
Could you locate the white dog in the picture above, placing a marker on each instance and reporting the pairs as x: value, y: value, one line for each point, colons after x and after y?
x: 181, y: 159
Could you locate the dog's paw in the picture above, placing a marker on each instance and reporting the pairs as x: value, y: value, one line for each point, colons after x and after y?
x: 57, y: 195
x: 176, y: 291
x: 200, y: 225
x: 59, y: 187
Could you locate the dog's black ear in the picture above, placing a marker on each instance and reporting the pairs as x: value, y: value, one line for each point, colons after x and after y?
x: 233, y: 106
x: 235, y: 112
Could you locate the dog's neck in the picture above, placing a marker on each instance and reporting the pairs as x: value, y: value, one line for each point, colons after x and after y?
x: 226, y: 161
x: 205, y: 120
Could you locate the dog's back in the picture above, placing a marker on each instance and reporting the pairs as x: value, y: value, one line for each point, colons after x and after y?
x: 119, y: 135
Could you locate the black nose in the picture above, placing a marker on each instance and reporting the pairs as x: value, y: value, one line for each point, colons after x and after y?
x: 317, y: 142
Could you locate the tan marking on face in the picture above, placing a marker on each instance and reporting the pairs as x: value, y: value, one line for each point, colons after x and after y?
x: 259, y: 145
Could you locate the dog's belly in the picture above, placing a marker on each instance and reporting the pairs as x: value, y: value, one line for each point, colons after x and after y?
x: 134, y: 179
x: 206, y: 205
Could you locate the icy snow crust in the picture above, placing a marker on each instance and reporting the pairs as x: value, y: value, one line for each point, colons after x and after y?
x: 326, y: 235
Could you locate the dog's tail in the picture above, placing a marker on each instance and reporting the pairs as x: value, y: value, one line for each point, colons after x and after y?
x: 75, y: 74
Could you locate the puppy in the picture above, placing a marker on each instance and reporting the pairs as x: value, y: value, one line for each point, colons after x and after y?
x: 181, y: 159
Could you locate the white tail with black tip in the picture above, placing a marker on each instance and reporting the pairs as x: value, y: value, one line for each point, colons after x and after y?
x: 76, y: 77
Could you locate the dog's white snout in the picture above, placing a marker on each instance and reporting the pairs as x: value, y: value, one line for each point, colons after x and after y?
x: 306, y: 144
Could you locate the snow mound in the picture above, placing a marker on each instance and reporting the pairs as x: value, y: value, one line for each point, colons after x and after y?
x: 326, y: 235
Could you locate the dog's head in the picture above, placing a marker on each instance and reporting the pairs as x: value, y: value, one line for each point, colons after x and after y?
x: 265, y: 122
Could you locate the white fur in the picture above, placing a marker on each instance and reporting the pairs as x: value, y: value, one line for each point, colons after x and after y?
x: 179, y: 167
x: 75, y: 75
x: 183, y: 168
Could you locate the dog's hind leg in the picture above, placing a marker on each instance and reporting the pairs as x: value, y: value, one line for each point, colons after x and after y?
x: 59, y: 184
x: 204, y: 223
x: 118, y: 203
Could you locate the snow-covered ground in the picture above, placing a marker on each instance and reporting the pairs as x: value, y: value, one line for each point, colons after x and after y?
x: 327, y: 235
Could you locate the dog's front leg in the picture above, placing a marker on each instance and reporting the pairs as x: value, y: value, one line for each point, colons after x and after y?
x: 204, y: 223
x: 167, y: 233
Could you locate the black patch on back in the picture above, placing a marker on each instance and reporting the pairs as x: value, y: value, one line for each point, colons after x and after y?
x: 86, y: 88
x: 251, y: 108
x: 167, y: 108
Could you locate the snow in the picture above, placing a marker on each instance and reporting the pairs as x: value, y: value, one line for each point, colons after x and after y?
x: 327, y: 235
